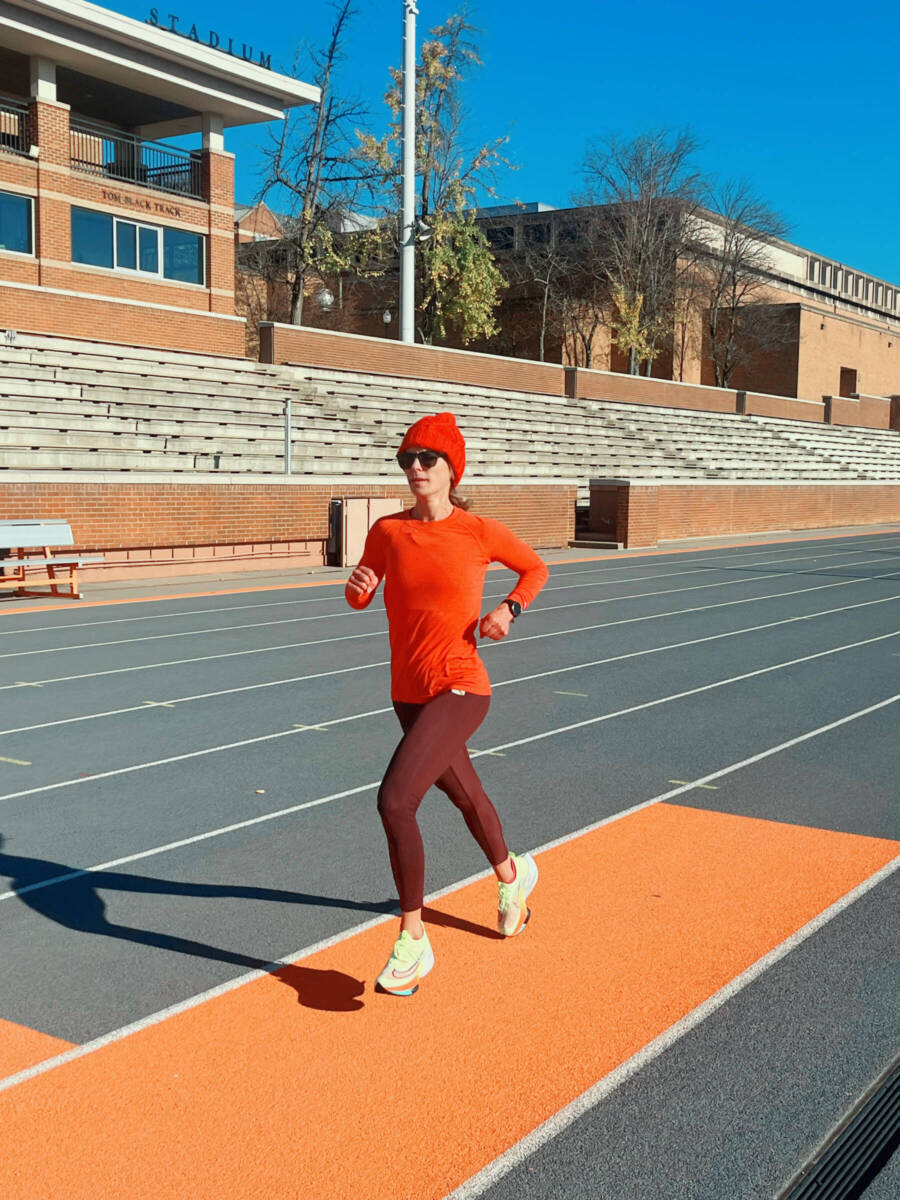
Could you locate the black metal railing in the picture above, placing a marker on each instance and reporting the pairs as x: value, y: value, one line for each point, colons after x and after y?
x: 14, y: 126
x: 130, y: 159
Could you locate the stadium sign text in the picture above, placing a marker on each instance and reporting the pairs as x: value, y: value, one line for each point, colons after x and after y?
x: 210, y: 38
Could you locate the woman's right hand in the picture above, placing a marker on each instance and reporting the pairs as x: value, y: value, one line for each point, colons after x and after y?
x: 361, y: 582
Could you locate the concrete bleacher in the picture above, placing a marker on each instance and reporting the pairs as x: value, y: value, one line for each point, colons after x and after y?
x: 80, y: 406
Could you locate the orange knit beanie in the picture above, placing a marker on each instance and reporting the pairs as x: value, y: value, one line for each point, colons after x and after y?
x: 439, y: 432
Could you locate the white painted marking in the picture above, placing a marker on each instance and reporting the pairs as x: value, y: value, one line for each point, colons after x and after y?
x: 490, y: 645
x: 267, y: 737
x: 343, y: 613
x: 249, y: 687
x: 157, y: 704
x: 16, y: 762
x: 846, y: 548
x: 321, y: 728
x: 202, y: 837
x: 708, y: 786
x: 490, y: 1175
x: 652, y: 1050
x: 583, y: 694
x: 180, y: 662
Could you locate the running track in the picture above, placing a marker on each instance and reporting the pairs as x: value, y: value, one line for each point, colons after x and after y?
x: 701, y: 748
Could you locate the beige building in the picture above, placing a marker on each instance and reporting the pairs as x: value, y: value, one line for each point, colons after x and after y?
x: 839, y: 327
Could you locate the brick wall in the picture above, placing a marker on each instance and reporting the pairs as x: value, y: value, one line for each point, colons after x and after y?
x: 67, y: 314
x: 349, y: 352
x: 165, y: 527
x: 582, y: 384
x: 65, y: 307
x: 870, y: 412
x: 756, y: 405
x: 645, y: 514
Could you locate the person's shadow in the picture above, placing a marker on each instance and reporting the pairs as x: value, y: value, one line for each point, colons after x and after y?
x: 73, y: 902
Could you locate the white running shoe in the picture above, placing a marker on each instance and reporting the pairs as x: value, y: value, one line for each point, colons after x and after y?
x: 512, y: 912
x: 411, y: 960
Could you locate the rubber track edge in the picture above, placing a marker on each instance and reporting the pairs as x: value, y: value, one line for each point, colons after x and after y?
x: 854, y: 1145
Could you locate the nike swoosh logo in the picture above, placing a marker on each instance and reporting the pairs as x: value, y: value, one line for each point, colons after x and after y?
x: 404, y: 974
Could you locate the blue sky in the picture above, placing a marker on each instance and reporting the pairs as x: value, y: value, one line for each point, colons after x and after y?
x: 799, y: 98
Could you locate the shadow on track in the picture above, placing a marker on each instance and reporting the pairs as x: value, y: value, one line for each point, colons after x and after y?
x: 76, y: 904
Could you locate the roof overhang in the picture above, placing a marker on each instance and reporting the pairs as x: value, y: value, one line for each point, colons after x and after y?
x: 143, y: 57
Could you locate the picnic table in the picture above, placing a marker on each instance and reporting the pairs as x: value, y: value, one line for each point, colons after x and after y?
x: 19, y: 537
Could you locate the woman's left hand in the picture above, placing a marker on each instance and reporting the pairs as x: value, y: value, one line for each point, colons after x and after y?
x: 496, y: 624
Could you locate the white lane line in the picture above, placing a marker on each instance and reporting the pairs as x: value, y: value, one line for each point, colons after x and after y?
x: 344, y: 612
x: 248, y: 687
x: 179, y: 662
x: 490, y: 1175
x: 268, y: 737
x: 677, y: 612
x: 848, y: 548
x: 432, y: 898
x: 647, y: 704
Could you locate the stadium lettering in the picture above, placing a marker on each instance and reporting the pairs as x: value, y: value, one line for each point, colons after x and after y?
x: 210, y: 38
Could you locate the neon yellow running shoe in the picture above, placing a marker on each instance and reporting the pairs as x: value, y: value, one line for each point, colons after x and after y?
x: 512, y: 912
x: 411, y: 960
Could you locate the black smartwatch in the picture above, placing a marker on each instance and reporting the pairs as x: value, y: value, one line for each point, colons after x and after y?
x: 514, y: 607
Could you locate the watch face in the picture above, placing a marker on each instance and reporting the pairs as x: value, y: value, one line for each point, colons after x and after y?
x: 515, y: 608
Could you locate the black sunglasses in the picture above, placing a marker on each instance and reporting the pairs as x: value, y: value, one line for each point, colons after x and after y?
x: 427, y: 458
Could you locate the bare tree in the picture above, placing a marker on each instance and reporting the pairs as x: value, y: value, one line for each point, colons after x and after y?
x: 315, y: 161
x: 535, y: 267
x: 651, y: 195
x: 583, y: 286
x: 734, y: 264
x: 458, y: 283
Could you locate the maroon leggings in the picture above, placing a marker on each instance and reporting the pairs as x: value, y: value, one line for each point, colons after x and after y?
x: 433, y: 752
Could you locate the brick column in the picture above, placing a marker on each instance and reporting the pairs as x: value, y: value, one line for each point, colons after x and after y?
x: 895, y: 413
x: 217, y: 185
x: 48, y: 128
x: 638, y: 517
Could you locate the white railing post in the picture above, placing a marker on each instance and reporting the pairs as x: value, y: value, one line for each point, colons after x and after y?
x: 287, y: 436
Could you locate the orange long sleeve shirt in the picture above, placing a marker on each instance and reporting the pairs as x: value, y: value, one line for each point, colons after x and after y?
x: 434, y: 575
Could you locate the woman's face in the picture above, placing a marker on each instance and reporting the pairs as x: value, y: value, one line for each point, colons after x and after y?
x: 429, y: 481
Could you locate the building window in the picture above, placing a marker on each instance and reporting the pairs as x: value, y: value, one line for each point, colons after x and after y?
x: 15, y: 223
x: 501, y: 237
x: 537, y: 235
x: 848, y: 381
x: 183, y: 256
x: 101, y: 240
x: 811, y: 269
x: 826, y: 275
x: 92, y: 238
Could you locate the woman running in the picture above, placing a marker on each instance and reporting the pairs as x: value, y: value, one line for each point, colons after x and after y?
x: 433, y: 558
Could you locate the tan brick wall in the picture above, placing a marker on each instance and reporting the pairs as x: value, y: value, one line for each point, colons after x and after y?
x: 636, y: 389
x: 871, y: 412
x: 783, y: 407
x: 647, y: 514
x: 38, y: 311
x: 830, y: 341
x: 122, y: 520
x: 294, y: 344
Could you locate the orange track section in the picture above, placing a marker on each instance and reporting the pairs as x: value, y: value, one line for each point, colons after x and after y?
x: 309, y: 1085
x: 21, y: 1047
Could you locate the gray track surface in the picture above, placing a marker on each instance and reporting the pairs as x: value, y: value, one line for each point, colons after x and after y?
x: 677, y: 645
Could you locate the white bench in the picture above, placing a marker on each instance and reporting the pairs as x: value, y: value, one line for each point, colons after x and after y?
x: 17, y: 537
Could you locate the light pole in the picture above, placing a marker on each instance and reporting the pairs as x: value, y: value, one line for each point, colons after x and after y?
x: 408, y: 215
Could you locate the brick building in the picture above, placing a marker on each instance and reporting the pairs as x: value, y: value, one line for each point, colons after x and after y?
x: 106, y: 224
x: 839, y: 327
